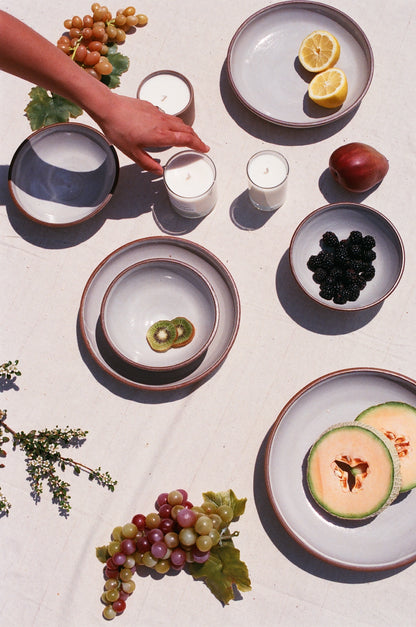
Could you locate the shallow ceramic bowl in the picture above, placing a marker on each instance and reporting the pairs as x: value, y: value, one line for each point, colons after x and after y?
x: 63, y: 174
x: 152, y: 290
x: 342, y: 218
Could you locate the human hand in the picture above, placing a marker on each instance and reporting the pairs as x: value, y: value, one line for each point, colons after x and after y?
x: 133, y: 125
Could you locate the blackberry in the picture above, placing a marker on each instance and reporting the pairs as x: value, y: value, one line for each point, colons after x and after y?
x: 368, y: 242
x: 327, y: 260
x: 355, y: 251
x: 319, y: 275
x: 353, y: 292
x: 361, y: 282
x: 356, y: 237
x: 335, y: 273
x: 368, y: 255
x: 341, y: 296
x: 368, y: 273
x: 341, y: 257
x: 357, y: 265
x: 350, y: 276
x: 312, y: 262
x: 326, y: 292
x: 330, y: 239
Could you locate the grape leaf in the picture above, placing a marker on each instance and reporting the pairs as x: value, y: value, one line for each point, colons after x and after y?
x: 45, y: 109
x: 120, y: 65
x: 226, y: 498
x: 102, y: 553
x: 222, y: 569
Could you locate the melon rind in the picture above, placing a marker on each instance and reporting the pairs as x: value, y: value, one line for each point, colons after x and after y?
x: 399, y: 418
x: 385, y: 446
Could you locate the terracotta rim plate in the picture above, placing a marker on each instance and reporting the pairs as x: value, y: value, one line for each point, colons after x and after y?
x: 149, y: 248
x: 386, y: 541
x: 63, y: 174
x: 342, y: 218
x: 265, y: 73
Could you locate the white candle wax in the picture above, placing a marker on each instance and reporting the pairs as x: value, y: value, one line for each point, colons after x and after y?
x: 267, y: 173
x: 190, y: 181
x: 167, y: 91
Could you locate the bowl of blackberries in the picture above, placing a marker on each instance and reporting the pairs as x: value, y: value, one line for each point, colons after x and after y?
x: 347, y: 256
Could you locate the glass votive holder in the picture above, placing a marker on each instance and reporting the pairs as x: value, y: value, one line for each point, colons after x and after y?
x: 267, y: 173
x: 190, y: 180
x: 171, y: 92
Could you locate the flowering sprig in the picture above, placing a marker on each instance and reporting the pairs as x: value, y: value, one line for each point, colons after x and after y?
x: 43, y: 457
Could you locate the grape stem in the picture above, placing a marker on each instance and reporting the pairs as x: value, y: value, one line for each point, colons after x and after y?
x: 76, y: 47
x: 228, y: 536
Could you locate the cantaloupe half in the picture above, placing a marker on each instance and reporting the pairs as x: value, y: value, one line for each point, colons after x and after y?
x: 353, y: 471
x: 397, y: 421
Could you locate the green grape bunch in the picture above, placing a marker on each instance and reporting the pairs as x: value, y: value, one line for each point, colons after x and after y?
x: 87, y: 40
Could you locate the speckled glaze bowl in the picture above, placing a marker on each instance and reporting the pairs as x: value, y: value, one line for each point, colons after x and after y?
x: 342, y: 218
x: 152, y: 290
x: 63, y: 174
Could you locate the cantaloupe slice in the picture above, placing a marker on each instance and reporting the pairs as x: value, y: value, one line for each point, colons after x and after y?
x: 397, y: 421
x: 353, y: 471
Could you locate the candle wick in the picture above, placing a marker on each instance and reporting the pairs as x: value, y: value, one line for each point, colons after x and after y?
x: 188, y: 176
x: 266, y: 171
x: 163, y: 98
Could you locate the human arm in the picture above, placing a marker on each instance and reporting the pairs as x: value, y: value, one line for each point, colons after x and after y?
x: 128, y: 123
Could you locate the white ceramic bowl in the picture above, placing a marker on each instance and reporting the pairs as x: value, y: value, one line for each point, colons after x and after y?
x: 63, y: 174
x: 342, y: 218
x: 152, y: 290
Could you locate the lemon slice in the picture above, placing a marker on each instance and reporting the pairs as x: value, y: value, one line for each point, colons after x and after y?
x: 329, y: 89
x: 319, y: 51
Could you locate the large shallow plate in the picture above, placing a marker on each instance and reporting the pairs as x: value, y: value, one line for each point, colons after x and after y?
x: 384, y: 542
x: 149, y: 248
x: 342, y: 218
x: 267, y: 77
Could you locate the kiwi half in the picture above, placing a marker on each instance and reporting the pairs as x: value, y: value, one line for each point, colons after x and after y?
x: 161, y: 335
x: 185, y: 331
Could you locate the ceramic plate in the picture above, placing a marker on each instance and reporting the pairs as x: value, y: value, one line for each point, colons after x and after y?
x: 342, y: 218
x: 265, y: 73
x: 63, y: 174
x: 386, y: 541
x: 149, y: 248
x: 152, y: 290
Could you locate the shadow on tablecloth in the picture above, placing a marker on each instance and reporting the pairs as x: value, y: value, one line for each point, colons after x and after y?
x: 309, y: 314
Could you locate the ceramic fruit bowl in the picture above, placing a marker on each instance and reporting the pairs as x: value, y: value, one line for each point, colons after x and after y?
x: 63, y: 174
x: 358, y: 268
x: 157, y: 291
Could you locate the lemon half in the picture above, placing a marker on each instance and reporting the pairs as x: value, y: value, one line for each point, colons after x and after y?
x: 329, y: 89
x: 319, y: 51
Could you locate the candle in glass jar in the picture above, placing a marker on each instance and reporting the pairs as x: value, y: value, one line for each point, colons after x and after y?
x: 190, y: 180
x: 171, y: 92
x: 267, y: 173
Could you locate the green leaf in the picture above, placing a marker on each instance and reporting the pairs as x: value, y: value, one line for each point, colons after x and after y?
x: 102, y: 554
x: 48, y: 108
x: 120, y: 65
x: 223, y: 569
x: 226, y: 498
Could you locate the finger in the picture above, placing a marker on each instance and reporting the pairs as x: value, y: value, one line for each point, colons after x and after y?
x: 143, y: 159
x: 185, y: 138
